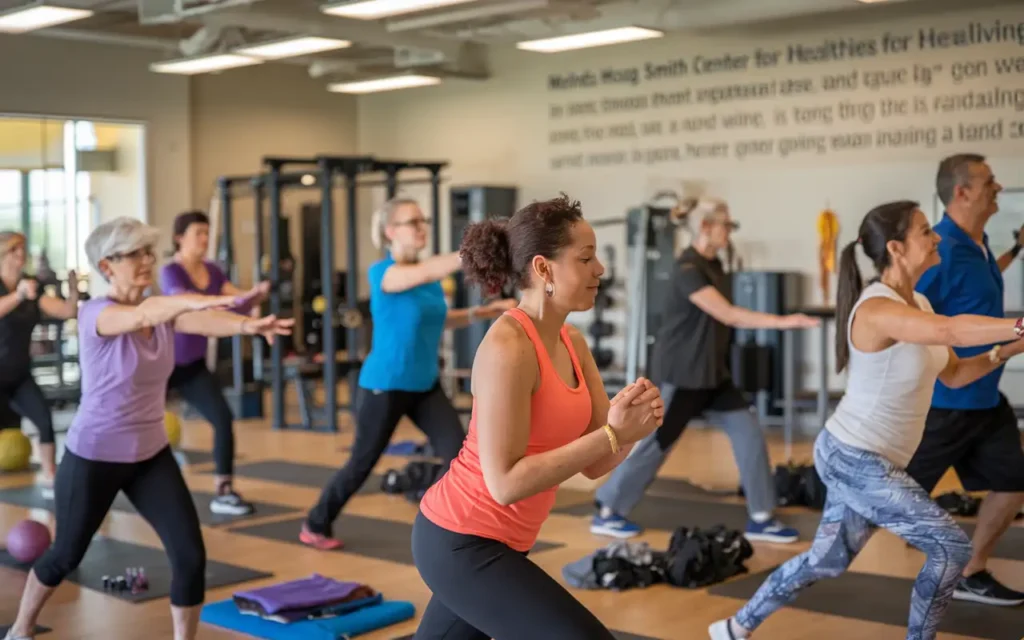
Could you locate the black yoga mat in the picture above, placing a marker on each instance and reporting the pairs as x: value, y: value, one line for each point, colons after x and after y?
x: 299, y: 474
x: 369, y: 537
x: 110, y: 557
x: 31, y: 497
x: 39, y: 630
x: 885, y: 599
x: 660, y: 512
x: 682, y: 488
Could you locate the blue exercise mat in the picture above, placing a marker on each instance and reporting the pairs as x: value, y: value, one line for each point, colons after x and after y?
x: 225, y: 614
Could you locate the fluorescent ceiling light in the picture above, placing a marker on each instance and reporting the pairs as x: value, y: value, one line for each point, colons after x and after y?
x: 204, y: 64
x: 375, y: 9
x: 38, y: 15
x: 383, y: 84
x: 591, y: 39
x: 300, y: 46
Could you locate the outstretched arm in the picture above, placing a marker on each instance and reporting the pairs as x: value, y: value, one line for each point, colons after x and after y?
x: 960, y: 372
x: 713, y: 303
x: 62, y: 309
x: 504, y: 375
x: 117, y: 319
x: 898, y: 322
x: 400, y: 277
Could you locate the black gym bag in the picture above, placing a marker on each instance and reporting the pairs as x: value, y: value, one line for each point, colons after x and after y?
x: 698, y: 558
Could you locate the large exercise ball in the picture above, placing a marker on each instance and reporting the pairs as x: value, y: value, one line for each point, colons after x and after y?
x: 28, y: 541
x: 172, y: 425
x: 15, y: 450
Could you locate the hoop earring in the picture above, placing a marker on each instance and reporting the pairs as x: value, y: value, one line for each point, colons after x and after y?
x: 549, y: 289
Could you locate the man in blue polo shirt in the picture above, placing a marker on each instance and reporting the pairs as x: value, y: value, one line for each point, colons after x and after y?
x: 973, y: 429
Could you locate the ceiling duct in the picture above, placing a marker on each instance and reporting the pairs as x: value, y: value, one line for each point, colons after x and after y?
x: 171, y: 11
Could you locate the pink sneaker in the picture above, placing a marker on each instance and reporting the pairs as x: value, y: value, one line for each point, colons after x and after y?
x: 319, y: 541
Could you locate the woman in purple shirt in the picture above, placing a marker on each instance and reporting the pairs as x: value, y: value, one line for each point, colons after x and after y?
x: 117, y: 440
x: 190, y: 272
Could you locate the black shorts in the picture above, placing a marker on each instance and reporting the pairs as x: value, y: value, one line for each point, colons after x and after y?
x: 982, y: 445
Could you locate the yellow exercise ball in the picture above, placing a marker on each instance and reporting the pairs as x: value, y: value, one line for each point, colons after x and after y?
x: 448, y: 286
x: 15, y: 450
x: 172, y: 425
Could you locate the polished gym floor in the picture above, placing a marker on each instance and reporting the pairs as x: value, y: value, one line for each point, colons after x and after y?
x: 870, y: 602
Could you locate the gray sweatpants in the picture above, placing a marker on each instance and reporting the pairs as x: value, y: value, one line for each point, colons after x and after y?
x: 721, y: 407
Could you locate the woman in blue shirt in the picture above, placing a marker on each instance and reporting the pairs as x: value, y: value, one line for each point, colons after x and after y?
x: 401, y: 374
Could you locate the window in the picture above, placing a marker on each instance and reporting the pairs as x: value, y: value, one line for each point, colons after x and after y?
x: 10, y: 200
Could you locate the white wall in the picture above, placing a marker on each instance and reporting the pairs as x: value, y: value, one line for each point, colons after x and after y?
x: 516, y: 128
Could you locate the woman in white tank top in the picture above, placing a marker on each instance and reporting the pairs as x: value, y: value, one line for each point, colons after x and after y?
x: 896, y: 348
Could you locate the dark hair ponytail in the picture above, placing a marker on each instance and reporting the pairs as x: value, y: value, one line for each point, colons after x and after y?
x: 486, y: 255
x: 850, y: 287
x: 882, y: 225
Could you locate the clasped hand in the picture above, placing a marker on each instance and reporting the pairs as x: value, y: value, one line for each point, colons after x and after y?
x: 636, y: 411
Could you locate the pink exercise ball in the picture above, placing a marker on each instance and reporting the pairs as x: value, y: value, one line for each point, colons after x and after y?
x: 28, y: 541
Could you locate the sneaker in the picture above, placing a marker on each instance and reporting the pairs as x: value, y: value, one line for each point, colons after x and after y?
x: 614, y: 525
x: 770, y: 531
x: 318, y: 540
x: 722, y: 630
x: 983, y: 588
x: 231, y: 504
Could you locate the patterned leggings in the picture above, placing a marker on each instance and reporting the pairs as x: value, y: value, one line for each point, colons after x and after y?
x: 866, y: 491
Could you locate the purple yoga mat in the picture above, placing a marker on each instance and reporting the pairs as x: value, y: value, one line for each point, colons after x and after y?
x: 308, y: 592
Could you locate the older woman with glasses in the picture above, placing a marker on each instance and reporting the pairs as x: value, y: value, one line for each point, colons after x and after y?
x: 22, y: 306
x: 117, y: 440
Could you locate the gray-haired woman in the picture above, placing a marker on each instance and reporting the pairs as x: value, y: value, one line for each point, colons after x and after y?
x: 400, y: 375
x: 117, y: 440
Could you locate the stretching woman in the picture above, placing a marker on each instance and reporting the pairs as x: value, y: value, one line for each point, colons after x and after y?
x: 896, y: 347
x: 540, y: 416
x: 691, y: 365
x: 400, y: 376
x: 117, y: 440
x: 190, y: 272
x: 21, y: 306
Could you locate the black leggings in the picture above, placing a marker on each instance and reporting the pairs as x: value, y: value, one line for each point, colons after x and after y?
x: 27, y: 399
x: 484, y: 589
x: 376, y: 419
x: 85, y: 489
x: 202, y: 390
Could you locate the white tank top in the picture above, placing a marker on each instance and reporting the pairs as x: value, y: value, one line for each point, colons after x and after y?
x: 888, y: 393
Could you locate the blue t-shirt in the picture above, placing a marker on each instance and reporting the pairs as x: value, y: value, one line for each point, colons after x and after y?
x: 966, y: 281
x: 407, y: 329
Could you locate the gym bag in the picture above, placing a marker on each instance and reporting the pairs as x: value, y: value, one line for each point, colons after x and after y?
x: 413, y: 480
x: 698, y: 558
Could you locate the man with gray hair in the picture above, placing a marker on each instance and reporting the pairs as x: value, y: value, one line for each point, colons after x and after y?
x: 973, y: 429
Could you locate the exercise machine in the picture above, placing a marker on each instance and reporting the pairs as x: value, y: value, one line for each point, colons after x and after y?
x: 326, y: 172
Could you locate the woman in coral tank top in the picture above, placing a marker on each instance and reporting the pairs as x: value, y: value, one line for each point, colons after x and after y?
x: 540, y: 416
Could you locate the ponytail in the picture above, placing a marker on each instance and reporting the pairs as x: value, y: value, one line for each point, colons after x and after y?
x: 850, y: 287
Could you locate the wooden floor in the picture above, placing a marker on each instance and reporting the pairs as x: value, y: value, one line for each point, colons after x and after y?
x: 704, y: 456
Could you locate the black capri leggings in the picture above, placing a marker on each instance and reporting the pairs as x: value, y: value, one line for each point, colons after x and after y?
x: 85, y: 489
x: 27, y: 400
x: 484, y: 589
x: 377, y: 418
x: 202, y: 390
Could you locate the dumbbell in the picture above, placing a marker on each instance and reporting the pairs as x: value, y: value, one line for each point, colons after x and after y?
x: 601, y: 329
x: 603, y: 358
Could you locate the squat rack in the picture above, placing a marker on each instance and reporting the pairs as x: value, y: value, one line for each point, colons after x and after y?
x: 325, y: 169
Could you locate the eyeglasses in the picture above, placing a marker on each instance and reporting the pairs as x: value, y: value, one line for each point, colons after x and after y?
x: 138, y: 254
x: 415, y: 222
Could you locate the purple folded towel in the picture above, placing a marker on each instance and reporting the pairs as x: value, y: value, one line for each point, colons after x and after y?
x: 313, y: 591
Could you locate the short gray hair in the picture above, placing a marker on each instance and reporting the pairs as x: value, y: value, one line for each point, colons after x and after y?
x: 955, y: 171
x: 382, y: 218
x: 117, y: 236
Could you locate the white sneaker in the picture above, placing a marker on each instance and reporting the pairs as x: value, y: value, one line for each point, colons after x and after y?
x: 722, y: 630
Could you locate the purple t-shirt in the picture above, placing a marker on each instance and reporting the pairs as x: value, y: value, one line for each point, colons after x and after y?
x: 189, y: 348
x: 124, y: 390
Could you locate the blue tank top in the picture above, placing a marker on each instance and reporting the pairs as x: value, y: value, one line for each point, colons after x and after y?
x: 407, y: 330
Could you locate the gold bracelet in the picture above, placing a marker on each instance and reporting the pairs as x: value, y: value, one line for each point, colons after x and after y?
x: 612, y: 438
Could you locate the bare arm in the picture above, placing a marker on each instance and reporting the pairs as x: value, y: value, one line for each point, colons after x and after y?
x: 212, y: 323
x: 401, y: 277
x: 886, y: 319
x: 504, y: 374
x: 713, y: 303
x: 459, y: 318
x: 960, y: 372
x: 61, y: 309
x: 599, y: 403
x: 118, y: 319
